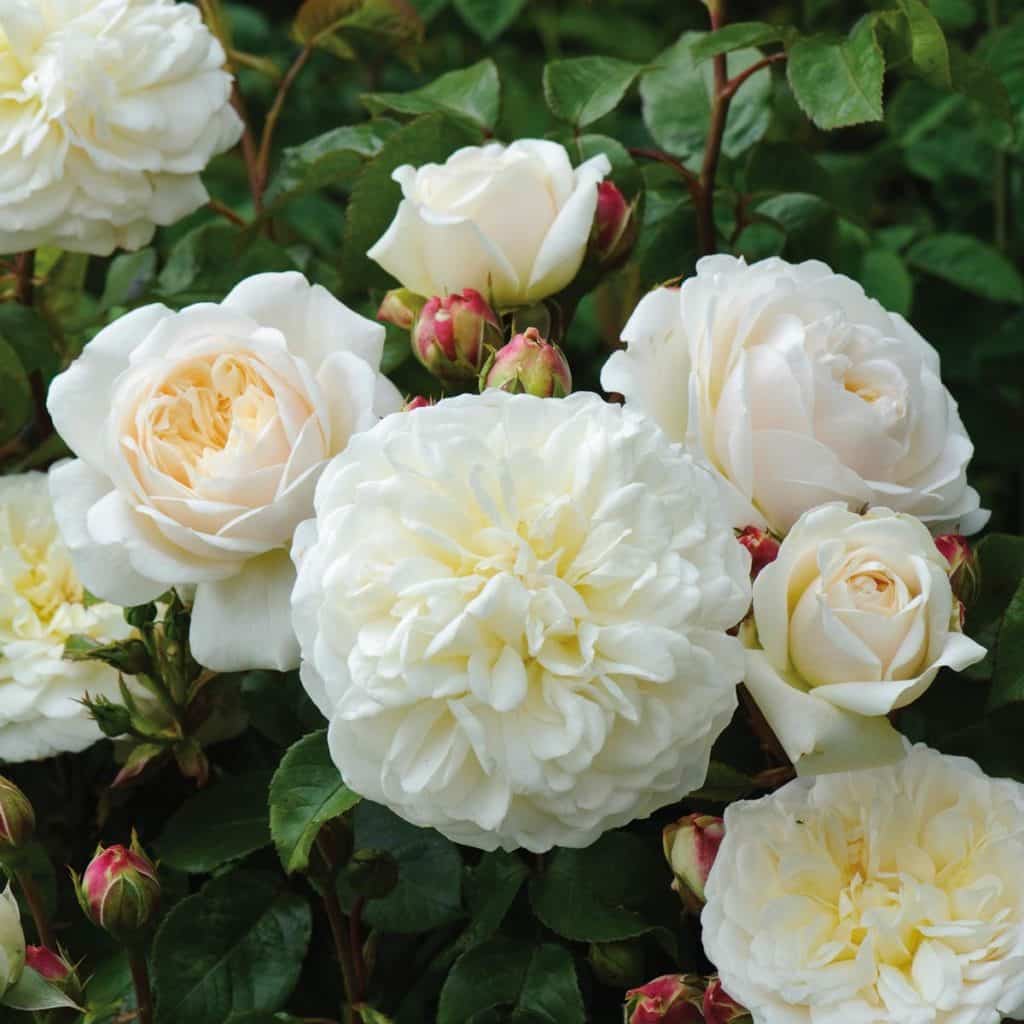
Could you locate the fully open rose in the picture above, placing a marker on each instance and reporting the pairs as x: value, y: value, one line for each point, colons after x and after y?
x: 201, y: 436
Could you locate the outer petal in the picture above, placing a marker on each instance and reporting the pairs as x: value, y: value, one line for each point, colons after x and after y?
x: 104, y: 568
x: 243, y: 622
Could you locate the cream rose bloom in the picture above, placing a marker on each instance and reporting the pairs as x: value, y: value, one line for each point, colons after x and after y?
x: 513, y: 612
x: 799, y: 390
x: 109, y: 110
x: 42, y: 603
x: 510, y: 221
x: 201, y: 435
x: 852, y: 620
x: 890, y: 896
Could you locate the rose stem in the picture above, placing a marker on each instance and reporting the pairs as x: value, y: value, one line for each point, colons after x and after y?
x: 140, y: 979
x: 34, y: 900
x: 263, y: 159
x: 24, y: 270
x: 343, y: 932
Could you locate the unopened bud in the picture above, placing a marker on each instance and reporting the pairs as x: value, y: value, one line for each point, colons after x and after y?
x: 691, y: 845
x: 670, y: 999
x: 418, y: 402
x: 963, y: 567
x: 119, y: 890
x: 615, y: 227
x: 720, y: 1008
x: 529, y: 365
x: 401, y: 307
x: 453, y: 335
x: 17, y: 819
x: 52, y: 966
x: 763, y: 547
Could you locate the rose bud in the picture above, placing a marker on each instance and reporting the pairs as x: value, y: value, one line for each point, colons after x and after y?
x: 52, y: 966
x: 17, y: 819
x: 453, y: 335
x: 529, y: 365
x: 119, y: 890
x: 401, y: 307
x: 418, y: 402
x: 670, y: 999
x: 763, y: 547
x: 615, y: 227
x: 720, y: 1008
x: 963, y: 567
x: 691, y: 845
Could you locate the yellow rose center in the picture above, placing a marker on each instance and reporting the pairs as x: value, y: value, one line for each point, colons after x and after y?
x: 874, y: 590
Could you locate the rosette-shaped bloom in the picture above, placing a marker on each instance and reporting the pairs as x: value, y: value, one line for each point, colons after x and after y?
x: 799, y: 390
x: 513, y: 612
x: 109, y: 110
x: 853, y: 620
x: 512, y: 222
x: 42, y: 603
x: 888, y: 896
x: 201, y: 435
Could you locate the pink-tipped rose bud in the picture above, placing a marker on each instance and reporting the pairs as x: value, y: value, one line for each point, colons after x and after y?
x: 670, y: 999
x: 963, y: 567
x: 615, y: 227
x: 119, y: 890
x: 763, y: 547
x: 52, y: 966
x: 401, y: 307
x: 691, y: 845
x: 453, y: 335
x: 529, y: 365
x: 417, y: 402
x: 17, y: 819
x: 720, y: 1007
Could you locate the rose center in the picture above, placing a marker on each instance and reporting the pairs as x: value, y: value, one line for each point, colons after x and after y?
x: 873, y: 590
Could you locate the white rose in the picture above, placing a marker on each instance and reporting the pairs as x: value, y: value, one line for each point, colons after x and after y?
x: 799, y: 390
x: 510, y: 221
x: 853, y: 620
x: 889, y: 896
x: 42, y: 603
x: 12, y: 941
x: 110, y: 110
x: 513, y: 612
x: 201, y: 435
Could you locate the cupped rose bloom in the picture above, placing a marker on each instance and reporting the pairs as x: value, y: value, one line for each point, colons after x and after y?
x: 12, y: 941
x: 889, y: 896
x: 201, y: 435
x: 852, y: 620
x: 42, y: 603
x: 799, y: 390
x: 513, y: 612
x: 510, y: 221
x: 109, y: 110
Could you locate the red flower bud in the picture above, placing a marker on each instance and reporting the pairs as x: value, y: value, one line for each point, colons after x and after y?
x: 670, y: 999
x: 17, y: 819
x: 763, y: 548
x: 691, y: 845
x: 529, y: 365
x: 400, y: 307
x: 615, y: 227
x: 119, y: 890
x: 720, y: 1007
x: 52, y: 966
x: 418, y: 402
x: 963, y: 567
x: 453, y: 335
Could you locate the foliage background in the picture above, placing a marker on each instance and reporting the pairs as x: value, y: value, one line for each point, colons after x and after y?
x: 925, y: 208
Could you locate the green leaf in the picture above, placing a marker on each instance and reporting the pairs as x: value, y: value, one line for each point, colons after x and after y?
x: 1008, y: 677
x: 305, y: 794
x: 26, y: 332
x: 723, y: 785
x: 490, y: 889
x: 737, y: 36
x: 375, y: 197
x: 429, y: 890
x: 221, y: 823
x: 583, y: 89
x: 538, y: 982
x: 236, y: 945
x: 33, y: 992
x: 885, y: 277
x: 676, y: 96
x: 473, y: 93
x: 489, y: 18
x: 345, y: 27
x: 970, y: 264
x: 928, y: 49
x: 667, y: 245
x: 1002, y: 53
x: 333, y: 159
x: 786, y: 167
x: 586, y: 896
x: 1001, y: 568
x: 978, y: 82
x: 838, y: 82
x: 17, y: 407
x: 128, y: 278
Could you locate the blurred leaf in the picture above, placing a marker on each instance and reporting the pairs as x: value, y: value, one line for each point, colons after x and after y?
x: 667, y: 246
x: 490, y: 889
x: 329, y: 160
x: 927, y: 43
x: 473, y: 93
x: 978, y: 82
x: 340, y: 26
x: 489, y: 18
x: 223, y: 822
x: 738, y: 35
x: 537, y: 982
x: 786, y: 167
x: 723, y: 785
x: 238, y: 944
x: 1008, y: 677
x: 885, y: 277
x: 305, y: 794
x: 954, y: 14
x: 970, y: 264
x: 1002, y: 53
x: 1001, y: 568
x: 677, y: 93
x: 838, y: 82
x: 583, y: 89
x: 128, y: 278
x: 17, y: 408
